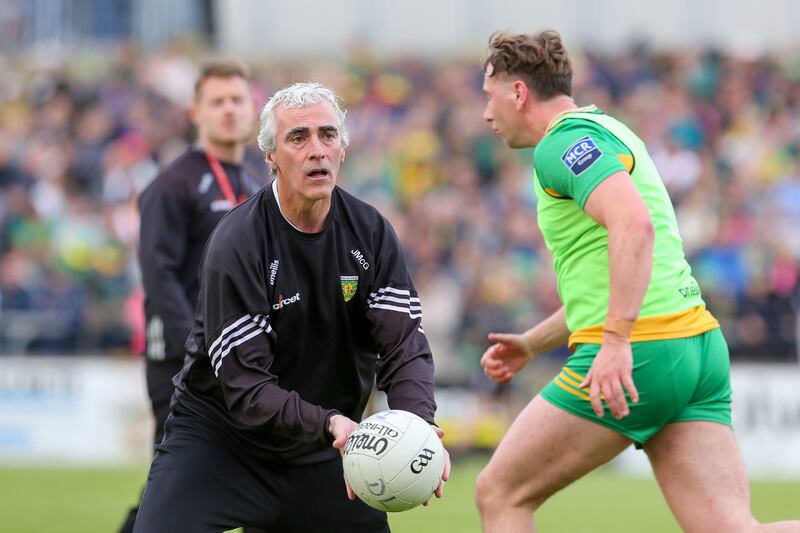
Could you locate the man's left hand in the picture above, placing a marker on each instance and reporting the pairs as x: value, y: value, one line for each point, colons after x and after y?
x: 611, y: 370
x: 341, y: 427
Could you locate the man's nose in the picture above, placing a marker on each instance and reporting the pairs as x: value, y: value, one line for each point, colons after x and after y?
x: 317, y: 151
x: 229, y: 106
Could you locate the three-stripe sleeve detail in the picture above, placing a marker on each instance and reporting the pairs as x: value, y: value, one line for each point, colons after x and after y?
x: 397, y: 300
x: 239, y: 332
x: 155, y: 339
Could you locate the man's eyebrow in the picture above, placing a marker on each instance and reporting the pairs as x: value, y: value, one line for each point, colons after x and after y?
x: 327, y: 128
x: 297, y: 130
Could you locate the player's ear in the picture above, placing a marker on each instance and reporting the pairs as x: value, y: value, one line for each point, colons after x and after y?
x: 521, y: 94
x: 193, y: 113
x: 343, y: 153
x: 273, y: 166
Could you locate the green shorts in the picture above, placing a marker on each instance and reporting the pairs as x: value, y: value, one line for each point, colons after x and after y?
x: 678, y: 380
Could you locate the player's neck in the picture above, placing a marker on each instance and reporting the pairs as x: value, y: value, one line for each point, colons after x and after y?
x: 310, y: 218
x: 307, y: 216
x: 541, y: 116
x: 554, y: 108
x: 232, y: 153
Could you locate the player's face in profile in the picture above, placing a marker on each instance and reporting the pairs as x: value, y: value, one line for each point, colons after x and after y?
x: 500, y: 110
x: 308, y: 150
x: 224, y: 111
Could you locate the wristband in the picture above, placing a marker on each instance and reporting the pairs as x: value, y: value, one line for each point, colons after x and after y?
x: 619, y: 326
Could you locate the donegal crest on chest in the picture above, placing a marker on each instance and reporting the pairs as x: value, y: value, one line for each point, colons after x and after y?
x: 349, y: 287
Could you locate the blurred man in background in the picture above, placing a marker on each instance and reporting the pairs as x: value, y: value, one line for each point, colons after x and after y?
x: 179, y: 209
x: 632, y: 312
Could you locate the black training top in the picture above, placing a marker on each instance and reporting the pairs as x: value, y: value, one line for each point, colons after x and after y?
x: 179, y: 210
x: 292, y: 327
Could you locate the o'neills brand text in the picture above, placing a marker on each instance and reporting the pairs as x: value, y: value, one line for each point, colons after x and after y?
x: 380, y: 429
x: 273, y: 271
x: 363, y: 441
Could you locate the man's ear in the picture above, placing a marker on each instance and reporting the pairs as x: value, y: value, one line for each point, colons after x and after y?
x: 521, y: 94
x: 271, y: 162
x: 193, y: 114
x: 343, y: 154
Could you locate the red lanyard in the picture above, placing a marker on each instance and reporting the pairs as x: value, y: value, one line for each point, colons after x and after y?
x: 222, y: 181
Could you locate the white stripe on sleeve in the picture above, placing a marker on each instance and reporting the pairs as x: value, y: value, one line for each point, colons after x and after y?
x: 155, y: 339
x: 226, y: 330
x: 397, y: 300
x: 237, y: 343
x: 230, y: 339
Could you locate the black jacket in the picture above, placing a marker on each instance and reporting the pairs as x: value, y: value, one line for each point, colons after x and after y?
x: 179, y: 210
x: 293, y: 327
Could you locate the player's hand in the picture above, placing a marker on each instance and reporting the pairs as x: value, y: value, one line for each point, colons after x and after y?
x: 611, y: 370
x: 439, y: 492
x: 341, y: 427
x: 507, y: 356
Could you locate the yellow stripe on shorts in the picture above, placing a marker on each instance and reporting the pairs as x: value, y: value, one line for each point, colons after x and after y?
x: 569, y: 389
x: 569, y: 381
x: 573, y: 374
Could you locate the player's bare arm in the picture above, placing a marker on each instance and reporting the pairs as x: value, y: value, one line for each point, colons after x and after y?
x: 630, y: 258
x: 511, y: 352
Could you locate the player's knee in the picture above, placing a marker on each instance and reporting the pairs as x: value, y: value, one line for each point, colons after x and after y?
x: 493, y: 493
x: 485, y: 492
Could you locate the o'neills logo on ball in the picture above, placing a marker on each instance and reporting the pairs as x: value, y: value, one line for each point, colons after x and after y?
x: 380, y: 429
x: 366, y: 442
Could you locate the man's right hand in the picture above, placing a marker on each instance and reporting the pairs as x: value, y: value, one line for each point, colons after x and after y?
x: 341, y: 427
x: 507, y: 356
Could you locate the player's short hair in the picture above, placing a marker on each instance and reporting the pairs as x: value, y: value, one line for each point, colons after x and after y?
x: 298, y: 95
x: 219, y: 69
x: 539, y: 60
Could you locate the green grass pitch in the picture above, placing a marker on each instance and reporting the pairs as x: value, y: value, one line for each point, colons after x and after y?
x: 95, y: 500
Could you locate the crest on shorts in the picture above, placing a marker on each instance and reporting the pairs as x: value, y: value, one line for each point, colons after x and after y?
x: 349, y: 287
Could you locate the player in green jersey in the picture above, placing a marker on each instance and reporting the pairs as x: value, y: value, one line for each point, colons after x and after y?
x: 650, y: 365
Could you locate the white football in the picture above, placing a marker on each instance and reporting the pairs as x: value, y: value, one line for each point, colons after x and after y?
x: 393, y: 460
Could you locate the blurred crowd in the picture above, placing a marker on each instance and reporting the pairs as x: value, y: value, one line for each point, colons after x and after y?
x: 81, y: 137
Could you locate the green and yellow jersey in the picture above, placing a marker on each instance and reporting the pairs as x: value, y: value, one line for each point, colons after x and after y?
x: 580, y: 149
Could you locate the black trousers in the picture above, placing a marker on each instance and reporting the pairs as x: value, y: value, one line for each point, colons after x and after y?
x: 158, y: 375
x: 202, y: 480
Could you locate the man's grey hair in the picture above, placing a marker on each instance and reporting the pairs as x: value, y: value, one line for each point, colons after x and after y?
x: 297, y: 95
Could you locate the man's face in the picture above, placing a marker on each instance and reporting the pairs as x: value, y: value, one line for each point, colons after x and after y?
x: 308, y: 150
x: 501, y: 111
x: 224, y: 111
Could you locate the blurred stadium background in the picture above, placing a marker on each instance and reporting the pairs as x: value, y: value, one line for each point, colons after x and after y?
x: 93, y: 97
